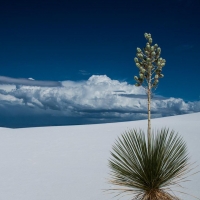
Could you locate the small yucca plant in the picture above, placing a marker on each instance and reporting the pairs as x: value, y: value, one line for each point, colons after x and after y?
x: 146, y: 170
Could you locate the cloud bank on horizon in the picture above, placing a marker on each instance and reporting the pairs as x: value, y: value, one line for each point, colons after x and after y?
x: 26, y: 102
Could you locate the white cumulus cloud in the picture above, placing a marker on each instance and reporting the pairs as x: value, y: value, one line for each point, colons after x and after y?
x: 98, y: 99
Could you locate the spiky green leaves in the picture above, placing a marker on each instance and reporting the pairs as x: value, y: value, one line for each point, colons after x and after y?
x: 147, y: 170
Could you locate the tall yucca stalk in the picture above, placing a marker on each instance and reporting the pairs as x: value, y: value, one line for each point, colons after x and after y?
x: 147, y: 173
x: 147, y: 166
x: 149, y: 63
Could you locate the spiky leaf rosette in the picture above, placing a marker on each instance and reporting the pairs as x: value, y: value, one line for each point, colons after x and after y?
x: 146, y: 172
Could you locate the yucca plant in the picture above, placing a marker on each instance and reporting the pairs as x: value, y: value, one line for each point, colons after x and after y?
x: 148, y: 165
x: 147, y: 172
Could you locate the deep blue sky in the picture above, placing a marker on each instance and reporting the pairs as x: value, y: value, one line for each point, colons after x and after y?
x: 72, y: 40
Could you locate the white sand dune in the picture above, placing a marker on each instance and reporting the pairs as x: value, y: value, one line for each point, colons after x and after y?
x: 71, y: 162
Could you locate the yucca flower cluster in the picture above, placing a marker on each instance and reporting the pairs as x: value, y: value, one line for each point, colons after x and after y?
x: 149, y: 62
